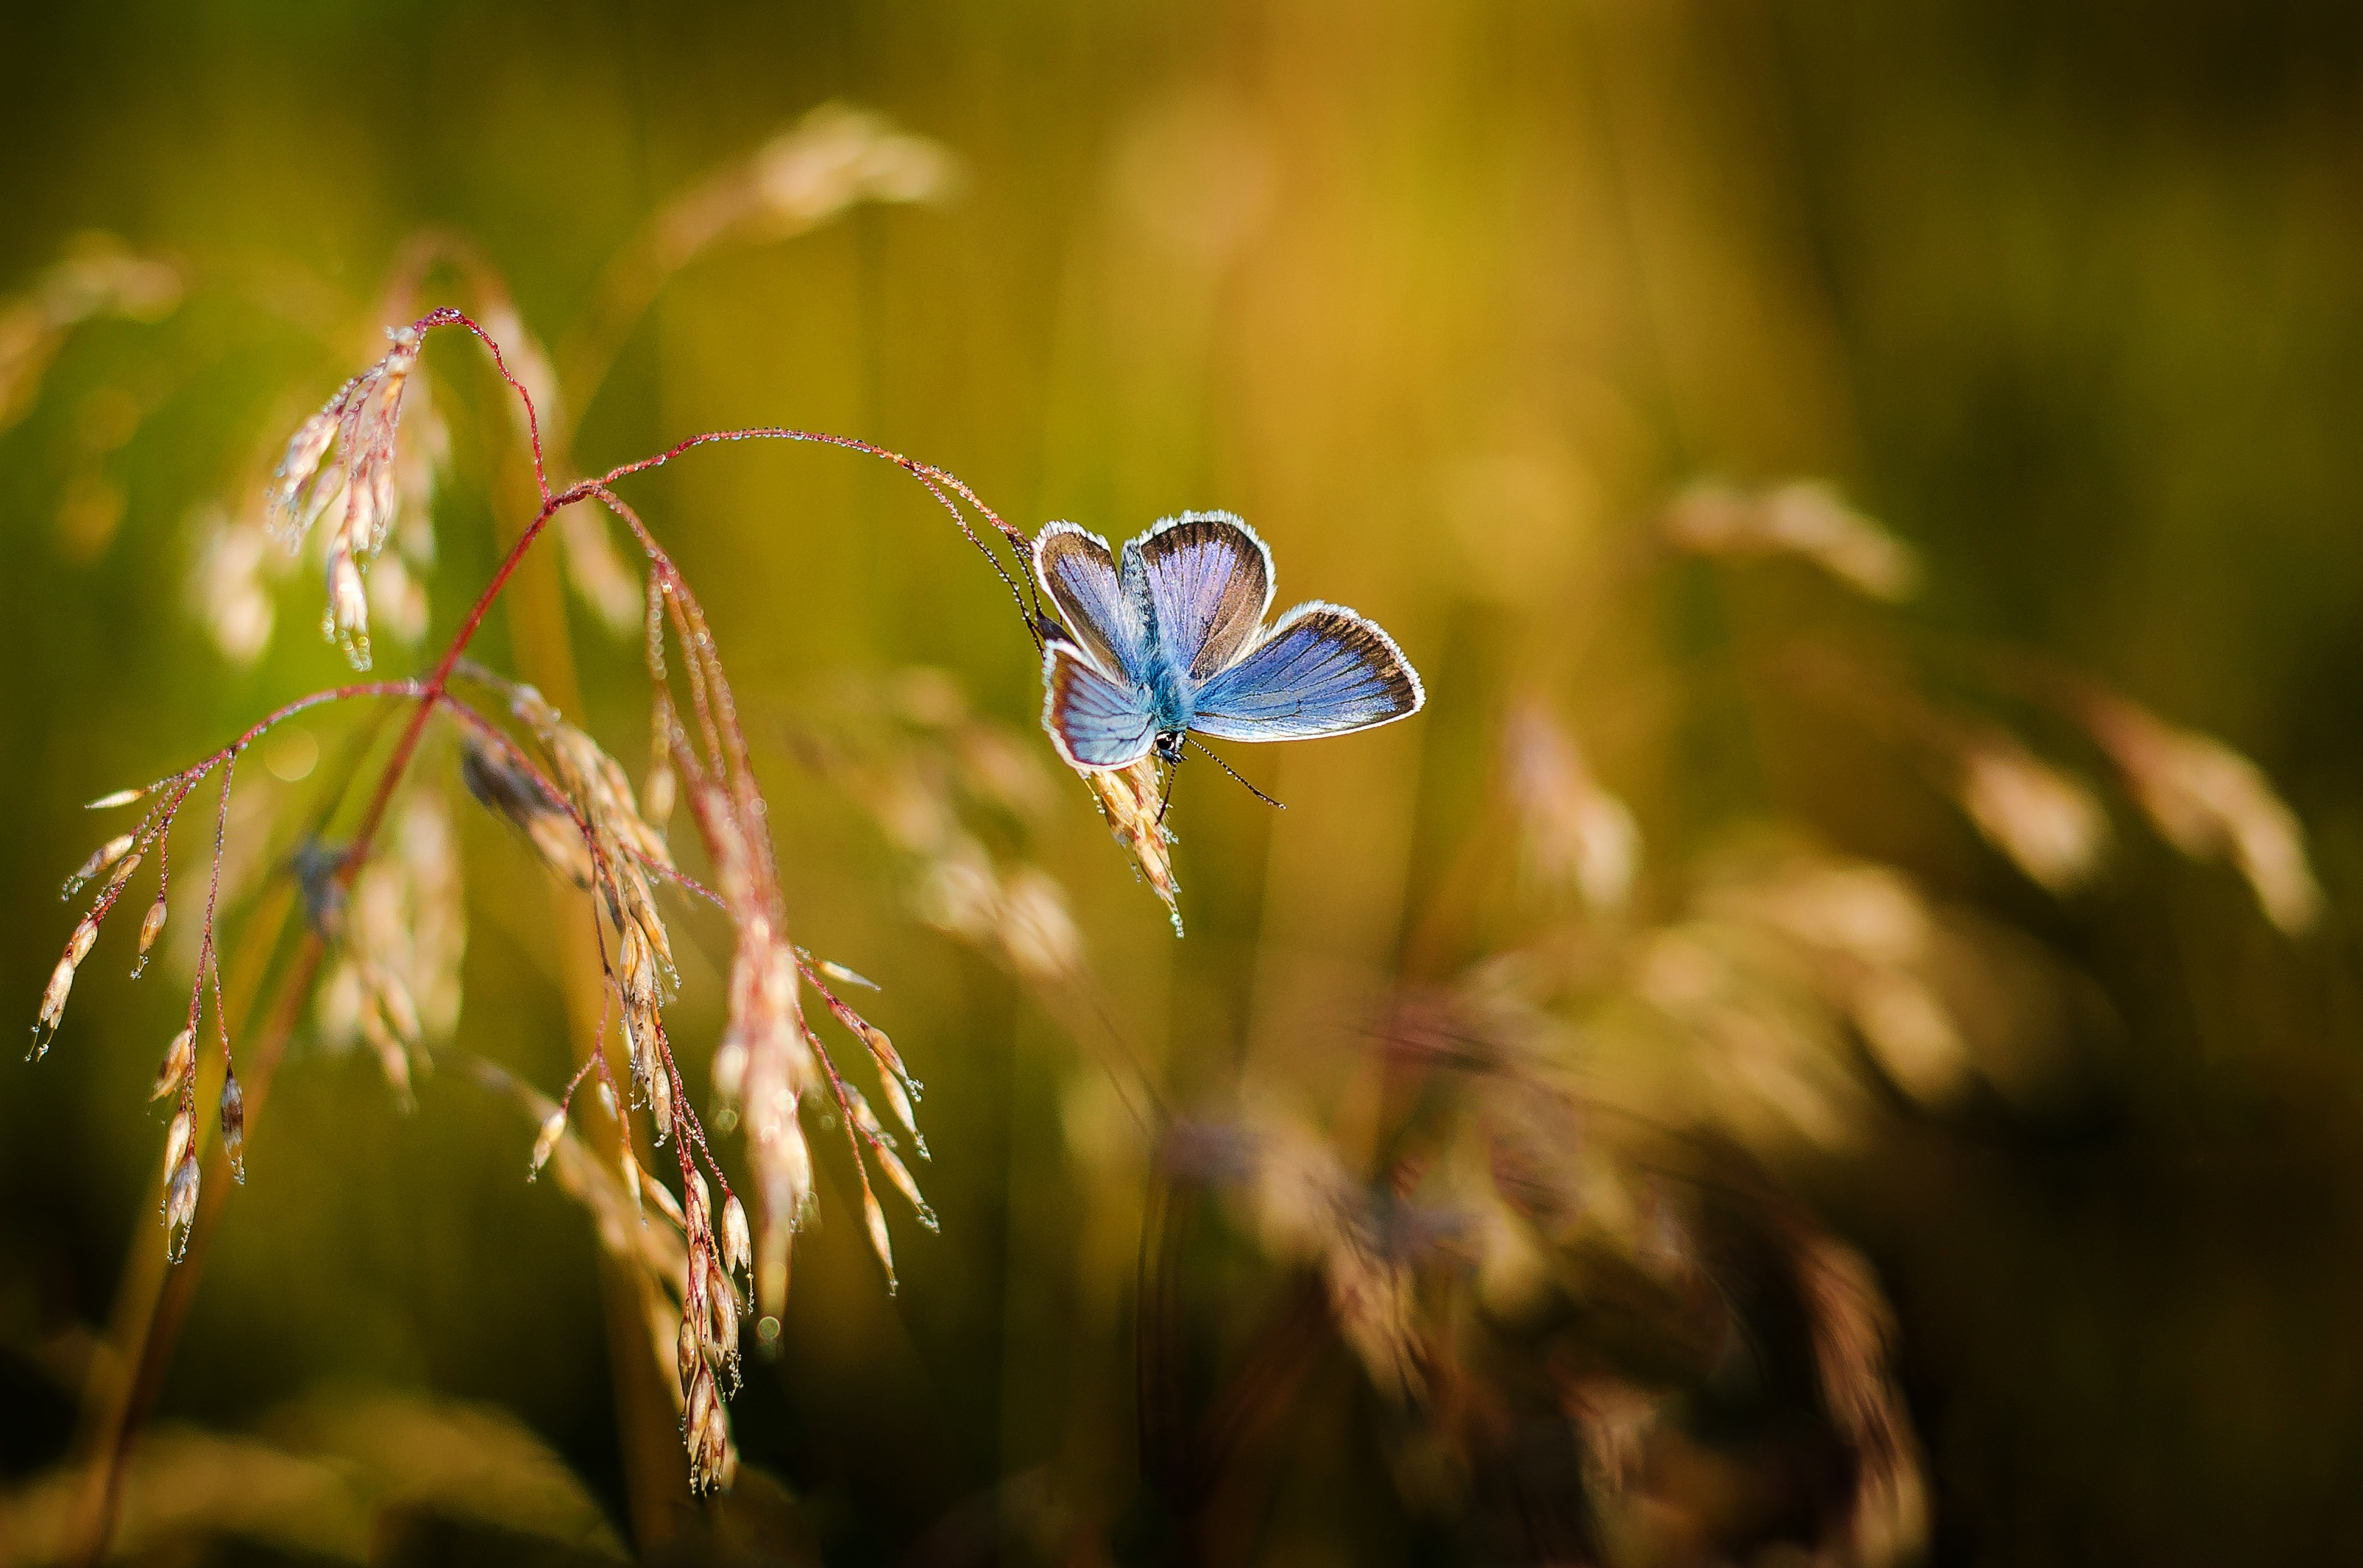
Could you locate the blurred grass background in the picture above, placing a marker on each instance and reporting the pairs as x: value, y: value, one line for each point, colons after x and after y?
x: 1447, y: 301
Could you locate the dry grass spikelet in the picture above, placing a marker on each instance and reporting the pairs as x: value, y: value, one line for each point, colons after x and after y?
x: 1134, y: 804
x: 343, y: 461
x: 2048, y: 823
x: 1804, y: 518
x: 1574, y: 834
x: 2211, y: 802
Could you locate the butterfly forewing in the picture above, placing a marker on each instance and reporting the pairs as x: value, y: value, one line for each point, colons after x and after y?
x: 1079, y: 573
x: 1095, y: 721
x: 1207, y: 581
x: 1324, y: 671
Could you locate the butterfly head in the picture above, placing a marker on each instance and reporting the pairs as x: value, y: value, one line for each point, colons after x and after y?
x: 1169, y: 744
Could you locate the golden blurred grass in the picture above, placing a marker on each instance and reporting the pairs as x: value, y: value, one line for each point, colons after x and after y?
x: 1450, y: 304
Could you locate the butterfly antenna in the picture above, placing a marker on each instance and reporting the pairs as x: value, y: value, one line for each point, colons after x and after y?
x: 1250, y: 789
x: 1165, y: 803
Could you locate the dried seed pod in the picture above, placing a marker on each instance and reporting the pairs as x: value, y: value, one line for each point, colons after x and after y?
x: 104, y: 856
x: 900, y: 1176
x: 899, y: 1102
x: 738, y: 1249
x: 181, y: 1206
x: 180, y: 1057
x: 661, y: 1099
x: 685, y: 1357
x: 233, y: 1123
x: 722, y: 1311
x: 875, y: 1218
x: 840, y: 973
x: 177, y: 1139
x: 120, y: 798
x: 545, y: 1143
x: 151, y: 927
x: 655, y: 1190
x: 122, y: 873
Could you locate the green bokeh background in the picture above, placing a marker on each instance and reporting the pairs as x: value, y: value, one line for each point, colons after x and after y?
x: 2067, y: 294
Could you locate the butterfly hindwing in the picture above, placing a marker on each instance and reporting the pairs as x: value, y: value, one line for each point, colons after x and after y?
x: 1206, y: 581
x: 1076, y: 570
x: 1323, y: 670
x: 1095, y: 720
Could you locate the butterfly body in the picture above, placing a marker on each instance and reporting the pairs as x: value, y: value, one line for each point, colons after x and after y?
x: 1172, y: 640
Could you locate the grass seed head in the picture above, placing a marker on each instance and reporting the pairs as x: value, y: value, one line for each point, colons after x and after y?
x: 151, y: 927
x: 179, y: 1058
x: 233, y: 1124
x: 104, y: 856
x: 1134, y: 804
x: 545, y: 1141
x: 2044, y: 820
x: 181, y: 1206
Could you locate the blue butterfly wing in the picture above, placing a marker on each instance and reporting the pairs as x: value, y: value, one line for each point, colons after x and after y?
x: 1323, y: 670
x: 1095, y: 720
x: 1206, y: 582
x: 1076, y: 569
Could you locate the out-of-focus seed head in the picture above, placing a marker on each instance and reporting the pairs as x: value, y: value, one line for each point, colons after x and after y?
x: 2210, y: 801
x: 1573, y: 834
x: 393, y: 1061
x: 1037, y: 930
x: 315, y: 865
x: 509, y: 792
x: 657, y: 799
x: 730, y: 1070
x: 627, y: 1167
x: 2041, y: 818
x: 1804, y: 519
x: 120, y: 798
x: 179, y: 1058
x: 346, y: 621
x: 233, y: 1124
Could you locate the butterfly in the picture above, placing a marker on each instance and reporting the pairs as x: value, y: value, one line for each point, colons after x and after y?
x: 1173, y: 640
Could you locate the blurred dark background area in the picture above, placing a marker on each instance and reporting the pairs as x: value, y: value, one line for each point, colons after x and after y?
x: 1453, y: 302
